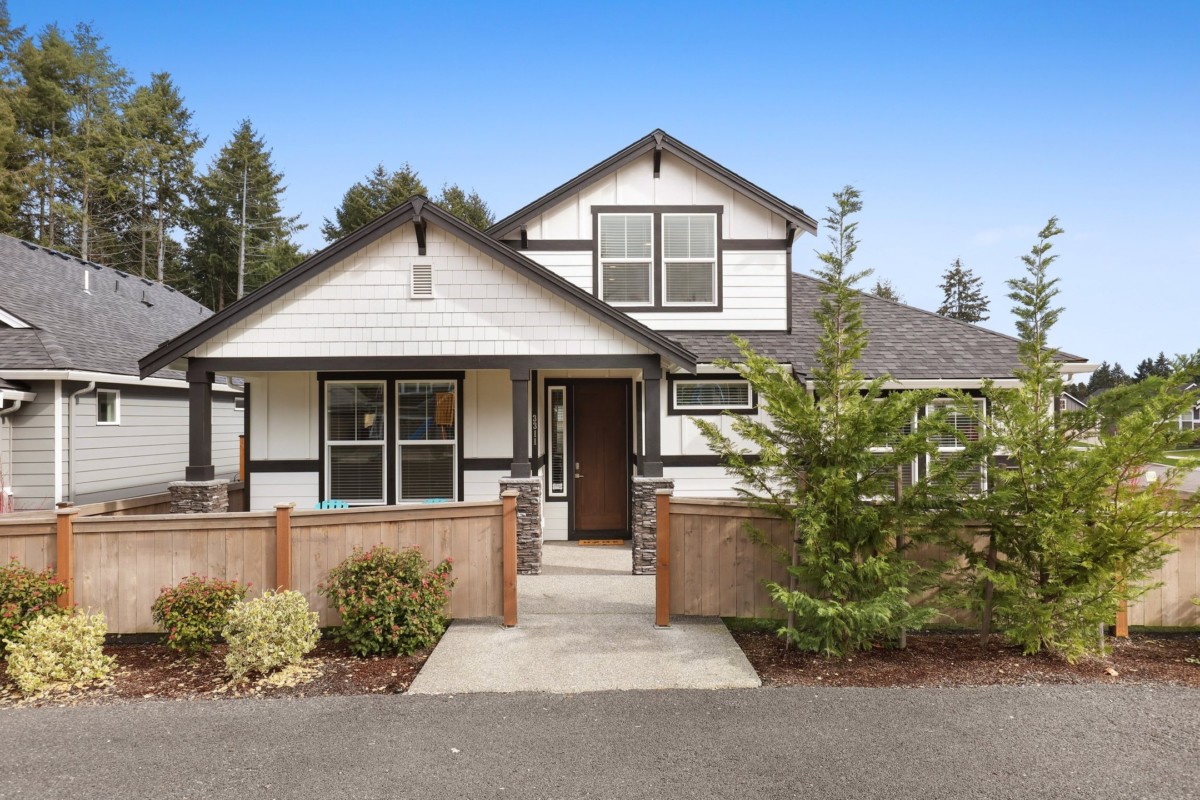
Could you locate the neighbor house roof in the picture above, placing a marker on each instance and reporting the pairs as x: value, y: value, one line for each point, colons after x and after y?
x: 662, y: 141
x: 416, y: 208
x: 99, y: 323
x: 905, y: 342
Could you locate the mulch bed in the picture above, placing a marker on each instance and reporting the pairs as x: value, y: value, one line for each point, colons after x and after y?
x: 152, y: 672
x: 958, y: 660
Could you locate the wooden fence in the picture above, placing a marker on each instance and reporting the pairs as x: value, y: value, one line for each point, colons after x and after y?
x: 118, y: 564
x: 159, y: 503
x: 708, y: 565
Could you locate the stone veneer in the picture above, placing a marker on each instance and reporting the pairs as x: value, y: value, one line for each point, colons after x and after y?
x: 645, y: 523
x: 529, y: 523
x: 199, y: 497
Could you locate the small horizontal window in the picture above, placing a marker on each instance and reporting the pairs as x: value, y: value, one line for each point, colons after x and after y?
x: 712, y: 395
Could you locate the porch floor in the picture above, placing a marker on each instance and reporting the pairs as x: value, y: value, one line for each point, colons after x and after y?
x: 585, y: 624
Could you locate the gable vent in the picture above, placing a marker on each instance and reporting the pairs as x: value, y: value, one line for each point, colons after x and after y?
x: 422, y: 280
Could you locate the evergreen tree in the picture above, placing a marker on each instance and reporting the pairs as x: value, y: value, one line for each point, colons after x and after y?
x: 962, y: 294
x: 824, y: 461
x: 238, y: 236
x: 1072, y: 533
x: 884, y: 289
x: 1119, y: 376
x: 378, y: 193
x: 470, y: 208
x: 15, y: 148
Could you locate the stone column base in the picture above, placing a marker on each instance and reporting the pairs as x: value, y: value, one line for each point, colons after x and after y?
x: 199, y: 497
x: 529, y: 523
x: 645, y: 523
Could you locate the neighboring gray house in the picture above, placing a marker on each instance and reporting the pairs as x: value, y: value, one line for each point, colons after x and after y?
x: 77, y: 423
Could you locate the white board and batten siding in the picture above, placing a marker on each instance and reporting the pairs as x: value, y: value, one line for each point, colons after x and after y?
x: 754, y: 287
x: 362, y: 307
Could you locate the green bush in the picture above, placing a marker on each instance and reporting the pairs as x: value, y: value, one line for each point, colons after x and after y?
x: 390, y: 601
x: 268, y: 633
x: 24, y: 596
x: 59, y: 652
x: 194, y: 612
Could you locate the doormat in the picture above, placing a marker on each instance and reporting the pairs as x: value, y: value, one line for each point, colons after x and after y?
x: 601, y: 542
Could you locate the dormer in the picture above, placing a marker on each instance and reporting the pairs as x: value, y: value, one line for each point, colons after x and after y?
x: 668, y: 236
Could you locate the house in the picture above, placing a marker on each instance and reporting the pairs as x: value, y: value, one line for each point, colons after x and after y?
x: 1190, y: 420
x: 560, y: 353
x: 77, y: 421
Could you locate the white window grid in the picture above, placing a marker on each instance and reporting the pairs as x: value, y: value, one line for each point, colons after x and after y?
x: 749, y: 404
x: 558, y: 398
x: 711, y: 261
x: 949, y: 448
x: 378, y: 443
x: 649, y: 260
x: 451, y: 442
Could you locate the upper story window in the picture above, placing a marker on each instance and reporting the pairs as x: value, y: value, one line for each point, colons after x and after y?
x: 689, y: 243
x: 627, y: 259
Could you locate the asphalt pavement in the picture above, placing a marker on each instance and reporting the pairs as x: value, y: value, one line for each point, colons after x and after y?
x: 999, y: 742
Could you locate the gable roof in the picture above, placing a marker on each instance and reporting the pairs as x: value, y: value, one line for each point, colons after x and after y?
x: 414, y: 209
x: 104, y: 329
x: 657, y: 139
x: 905, y: 342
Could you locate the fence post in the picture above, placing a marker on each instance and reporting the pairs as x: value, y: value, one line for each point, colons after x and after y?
x: 64, y: 540
x: 509, y: 506
x: 1123, y: 620
x: 662, y: 550
x: 283, y: 546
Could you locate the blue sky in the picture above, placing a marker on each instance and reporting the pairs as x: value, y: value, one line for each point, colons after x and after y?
x: 964, y: 125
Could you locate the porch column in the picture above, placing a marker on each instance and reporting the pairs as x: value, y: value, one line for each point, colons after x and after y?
x: 520, y: 423
x: 650, y: 481
x: 199, y: 492
x: 652, y: 424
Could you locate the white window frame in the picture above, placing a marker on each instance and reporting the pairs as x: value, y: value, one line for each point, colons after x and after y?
x: 550, y: 491
x: 602, y: 261
x: 887, y: 448
x: 116, y: 394
x: 451, y: 443
x: 239, y: 403
x: 665, y: 261
x: 958, y: 448
x: 329, y: 444
x: 685, y: 408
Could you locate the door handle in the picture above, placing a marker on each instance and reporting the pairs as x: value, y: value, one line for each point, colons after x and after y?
x: 577, y: 475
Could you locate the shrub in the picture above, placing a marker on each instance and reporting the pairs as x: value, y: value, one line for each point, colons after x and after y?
x: 390, y: 600
x: 59, y: 652
x: 268, y: 633
x: 24, y: 596
x: 194, y: 612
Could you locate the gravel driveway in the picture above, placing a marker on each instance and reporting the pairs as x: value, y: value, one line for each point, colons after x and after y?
x: 1044, y: 742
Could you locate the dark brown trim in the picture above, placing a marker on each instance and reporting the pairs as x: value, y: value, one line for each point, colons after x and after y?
x: 486, y: 464
x: 658, y: 275
x: 756, y: 244
x: 422, y: 366
x: 672, y: 411
x: 559, y: 245
x: 652, y: 464
x: 699, y: 461
x: 285, y: 465
x: 656, y: 140
x: 521, y: 466
x: 247, y: 495
x: 200, y: 466
x: 192, y: 338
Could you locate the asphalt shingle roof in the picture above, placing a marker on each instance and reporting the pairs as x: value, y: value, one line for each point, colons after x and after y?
x: 905, y: 342
x: 105, y: 329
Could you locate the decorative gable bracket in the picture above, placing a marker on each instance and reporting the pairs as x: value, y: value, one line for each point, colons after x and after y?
x: 658, y: 148
x: 419, y: 224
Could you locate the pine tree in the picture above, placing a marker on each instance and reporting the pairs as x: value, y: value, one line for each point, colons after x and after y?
x: 378, y: 193
x: 15, y: 147
x: 238, y: 236
x: 470, y: 208
x: 825, y: 459
x: 963, y: 296
x: 1072, y: 532
x: 884, y: 290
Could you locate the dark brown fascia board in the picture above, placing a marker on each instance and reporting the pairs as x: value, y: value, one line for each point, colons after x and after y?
x: 417, y: 206
x: 648, y: 144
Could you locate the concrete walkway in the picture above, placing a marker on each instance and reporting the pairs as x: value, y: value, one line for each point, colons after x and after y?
x: 585, y: 625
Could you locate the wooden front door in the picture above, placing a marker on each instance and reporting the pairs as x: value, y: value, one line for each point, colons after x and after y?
x: 601, y: 433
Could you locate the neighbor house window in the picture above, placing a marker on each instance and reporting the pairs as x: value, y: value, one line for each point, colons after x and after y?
x: 711, y: 395
x: 427, y: 440
x: 239, y: 403
x: 627, y: 258
x: 108, y: 407
x: 355, y: 437
x: 556, y: 443
x: 950, y: 446
x: 689, y: 255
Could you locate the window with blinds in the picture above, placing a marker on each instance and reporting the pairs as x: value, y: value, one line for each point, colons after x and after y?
x: 355, y: 436
x: 427, y: 443
x: 965, y: 428
x: 689, y: 254
x: 626, y: 258
x: 712, y: 395
x: 556, y: 444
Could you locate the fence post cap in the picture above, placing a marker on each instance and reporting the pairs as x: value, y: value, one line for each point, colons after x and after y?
x: 66, y: 511
x: 285, y: 505
x: 667, y: 492
x: 510, y: 493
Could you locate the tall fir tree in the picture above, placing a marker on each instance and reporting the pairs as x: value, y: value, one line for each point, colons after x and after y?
x: 367, y: 199
x: 238, y: 237
x: 470, y: 208
x: 962, y: 294
x: 885, y: 290
x: 15, y: 148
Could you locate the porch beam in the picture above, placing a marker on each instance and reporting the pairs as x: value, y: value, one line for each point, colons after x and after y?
x: 652, y: 466
x: 200, y: 462
x: 521, y: 467
x: 420, y: 363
